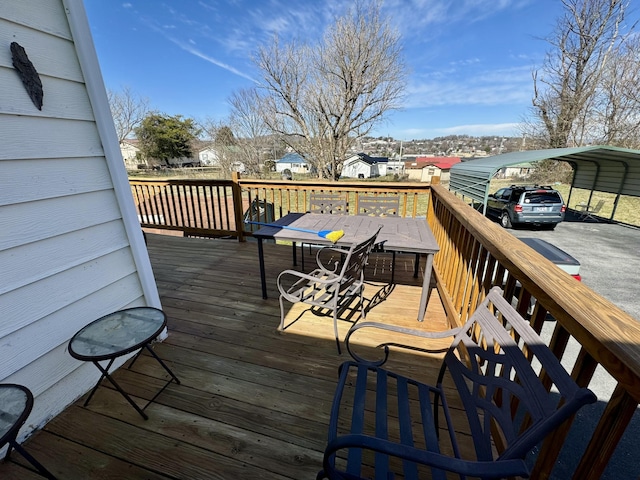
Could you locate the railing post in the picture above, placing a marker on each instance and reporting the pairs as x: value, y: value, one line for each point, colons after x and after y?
x: 236, y: 191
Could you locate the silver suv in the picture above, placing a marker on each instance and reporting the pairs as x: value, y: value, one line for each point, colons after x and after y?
x: 532, y: 205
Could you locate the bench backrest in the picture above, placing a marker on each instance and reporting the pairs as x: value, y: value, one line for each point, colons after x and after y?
x: 505, y: 398
x: 378, y: 206
x: 327, y: 203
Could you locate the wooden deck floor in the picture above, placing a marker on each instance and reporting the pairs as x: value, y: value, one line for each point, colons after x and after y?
x: 253, y: 403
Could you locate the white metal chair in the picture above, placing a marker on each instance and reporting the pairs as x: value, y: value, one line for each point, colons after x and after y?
x: 330, y: 286
x: 588, y: 212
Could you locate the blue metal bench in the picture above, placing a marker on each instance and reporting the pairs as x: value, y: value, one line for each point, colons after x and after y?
x: 385, y: 425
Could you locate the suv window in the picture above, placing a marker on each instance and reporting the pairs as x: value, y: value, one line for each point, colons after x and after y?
x: 542, y: 197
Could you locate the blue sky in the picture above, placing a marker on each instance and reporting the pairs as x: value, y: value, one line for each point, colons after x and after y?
x: 470, y: 61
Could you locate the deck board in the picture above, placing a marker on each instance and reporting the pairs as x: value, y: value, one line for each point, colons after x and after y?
x: 254, y: 402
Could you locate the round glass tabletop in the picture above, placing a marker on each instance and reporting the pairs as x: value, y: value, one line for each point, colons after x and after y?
x: 117, y: 334
x: 15, y: 405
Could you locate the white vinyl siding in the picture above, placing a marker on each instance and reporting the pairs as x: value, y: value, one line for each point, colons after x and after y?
x: 67, y: 225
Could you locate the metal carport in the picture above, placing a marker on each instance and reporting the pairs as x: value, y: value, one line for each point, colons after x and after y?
x: 597, y: 168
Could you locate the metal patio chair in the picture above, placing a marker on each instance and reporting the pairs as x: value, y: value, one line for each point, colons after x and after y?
x: 331, y: 286
x: 383, y: 206
x: 588, y: 212
x: 325, y: 204
x: 386, y: 425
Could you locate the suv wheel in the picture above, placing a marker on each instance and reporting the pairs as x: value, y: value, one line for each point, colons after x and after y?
x: 505, y: 221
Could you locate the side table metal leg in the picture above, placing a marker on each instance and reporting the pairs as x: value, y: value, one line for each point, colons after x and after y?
x: 43, y: 471
x: 86, y: 402
x: 105, y: 374
x: 162, y: 363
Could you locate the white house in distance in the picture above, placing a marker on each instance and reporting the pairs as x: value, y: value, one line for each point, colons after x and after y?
x: 522, y: 170
x: 72, y: 249
x: 362, y: 165
x: 294, y: 163
x: 130, y: 153
x: 208, y: 157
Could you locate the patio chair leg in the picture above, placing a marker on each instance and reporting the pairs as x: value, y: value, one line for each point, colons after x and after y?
x: 281, y: 327
x: 335, y: 329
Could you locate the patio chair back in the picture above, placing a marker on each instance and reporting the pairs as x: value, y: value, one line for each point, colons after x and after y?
x: 373, y: 206
x: 505, y: 400
x: 327, y: 203
x: 589, y: 212
x: 387, y: 206
x: 333, y: 285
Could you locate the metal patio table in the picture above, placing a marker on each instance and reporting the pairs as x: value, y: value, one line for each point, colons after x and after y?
x: 399, y: 234
x: 16, y: 402
x: 117, y: 334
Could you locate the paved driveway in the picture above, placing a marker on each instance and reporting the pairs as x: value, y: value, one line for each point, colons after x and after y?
x: 609, y: 255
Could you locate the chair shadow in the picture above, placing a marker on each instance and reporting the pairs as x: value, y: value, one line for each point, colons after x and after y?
x: 349, y: 312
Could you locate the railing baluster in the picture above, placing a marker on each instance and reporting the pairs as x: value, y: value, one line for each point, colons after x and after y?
x: 615, y: 419
x: 583, y: 371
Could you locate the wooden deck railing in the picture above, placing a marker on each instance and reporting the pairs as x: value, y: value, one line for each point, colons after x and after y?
x: 217, y: 208
x: 475, y: 255
x: 195, y: 207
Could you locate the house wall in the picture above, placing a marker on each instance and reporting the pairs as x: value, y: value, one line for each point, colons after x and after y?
x: 71, y: 248
x: 429, y: 172
x: 130, y: 155
x: 294, y: 167
x: 208, y: 157
x: 356, y: 168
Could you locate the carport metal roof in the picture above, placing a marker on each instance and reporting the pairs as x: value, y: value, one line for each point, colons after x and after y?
x: 597, y: 168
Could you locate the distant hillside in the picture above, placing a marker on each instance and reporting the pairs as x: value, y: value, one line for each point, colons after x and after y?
x: 449, y: 146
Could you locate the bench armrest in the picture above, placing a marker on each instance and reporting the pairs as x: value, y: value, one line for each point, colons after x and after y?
x: 394, y: 328
x: 491, y: 469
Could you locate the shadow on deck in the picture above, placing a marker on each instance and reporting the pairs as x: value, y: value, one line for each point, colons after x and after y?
x: 253, y: 403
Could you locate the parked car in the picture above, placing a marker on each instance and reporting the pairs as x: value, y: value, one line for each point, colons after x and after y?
x: 558, y: 256
x: 532, y: 205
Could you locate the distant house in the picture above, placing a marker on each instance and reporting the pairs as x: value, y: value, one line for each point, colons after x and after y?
x: 208, y: 157
x: 362, y: 165
x: 211, y: 157
x: 521, y: 170
x: 424, y: 169
x: 130, y: 153
x: 72, y: 249
x: 293, y: 162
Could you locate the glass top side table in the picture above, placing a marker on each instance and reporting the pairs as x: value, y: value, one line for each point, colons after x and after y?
x: 118, y: 334
x: 16, y: 402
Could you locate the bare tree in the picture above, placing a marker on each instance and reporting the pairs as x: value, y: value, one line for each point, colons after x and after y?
x: 583, y: 42
x: 616, y: 110
x: 128, y: 110
x: 220, y: 138
x: 320, y: 98
x: 247, y: 120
